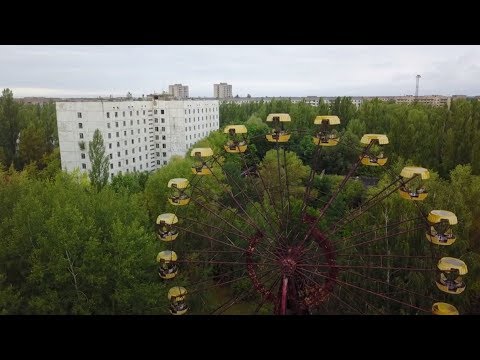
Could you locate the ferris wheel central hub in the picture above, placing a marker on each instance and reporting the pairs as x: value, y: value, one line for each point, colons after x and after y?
x: 288, y: 265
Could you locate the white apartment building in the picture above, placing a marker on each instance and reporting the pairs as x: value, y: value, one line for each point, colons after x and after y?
x: 222, y: 91
x: 178, y: 91
x: 138, y: 135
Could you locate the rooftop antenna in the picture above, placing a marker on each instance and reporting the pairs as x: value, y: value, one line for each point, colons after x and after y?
x: 416, y: 88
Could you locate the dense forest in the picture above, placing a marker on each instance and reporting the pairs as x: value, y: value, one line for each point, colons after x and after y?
x: 71, y: 247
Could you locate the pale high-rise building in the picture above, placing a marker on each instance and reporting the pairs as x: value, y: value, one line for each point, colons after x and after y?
x: 178, y: 91
x: 222, y: 91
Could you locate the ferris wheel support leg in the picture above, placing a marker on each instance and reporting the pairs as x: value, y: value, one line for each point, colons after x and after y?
x: 283, y: 307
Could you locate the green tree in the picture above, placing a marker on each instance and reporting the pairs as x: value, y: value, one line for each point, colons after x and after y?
x: 9, y: 125
x: 96, y: 152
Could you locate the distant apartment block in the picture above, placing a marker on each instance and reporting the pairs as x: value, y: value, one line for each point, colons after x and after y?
x: 433, y: 100
x: 178, y: 91
x: 222, y: 91
x: 138, y: 135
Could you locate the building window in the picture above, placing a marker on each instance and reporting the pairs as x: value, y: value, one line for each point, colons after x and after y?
x: 124, y: 115
x: 156, y: 128
x: 131, y: 113
x: 144, y: 122
x: 116, y: 123
x: 110, y: 145
x: 133, y: 150
x: 108, y: 115
x: 108, y: 125
x: 125, y: 142
x: 140, y: 166
x: 111, y: 156
x: 79, y: 115
x: 138, y: 131
x: 164, y: 154
x: 126, y: 162
x: 111, y: 166
x: 164, y: 162
x: 118, y: 134
x: 163, y: 128
x: 83, y: 156
x: 157, y: 146
x: 81, y: 135
x: 133, y: 141
x: 143, y: 114
x: 155, y: 111
x: 124, y: 132
x: 145, y: 147
x: 118, y: 153
x: 126, y: 152
x: 140, y: 158
x: 111, y: 175
x: 138, y: 122
x: 116, y: 114
x: 164, y: 146
x: 158, y: 162
x: 156, y: 137
x: 80, y: 125
x: 109, y: 135
x: 118, y: 143
x: 162, y: 112
x: 155, y: 120
x: 133, y: 159
x: 137, y: 113
x: 134, y: 168
x: 119, y: 164
x: 164, y: 137
x: 163, y: 120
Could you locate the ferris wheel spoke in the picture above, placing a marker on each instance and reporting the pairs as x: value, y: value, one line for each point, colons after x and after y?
x: 371, y: 292
x: 221, y: 206
x: 269, y: 290
x: 241, y: 296
x: 362, y: 209
x: 377, y: 239
x: 213, y: 227
x: 334, y: 195
x: 393, y: 286
x: 248, y: 199
x: 389, y: 226
x: 208, y: 237
x: 358, y: 297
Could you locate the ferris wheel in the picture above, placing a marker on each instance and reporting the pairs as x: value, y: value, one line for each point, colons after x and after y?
x: 237, y: 220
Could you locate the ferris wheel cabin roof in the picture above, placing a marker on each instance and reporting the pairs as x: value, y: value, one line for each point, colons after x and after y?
x: 180, y: 183
x: 441, y: 308
x: 329, y: 119
x: 279, y: 117
x: 436, y: 216
x: 167, y: 255
x: 177, y: 292
x: 367, y: 139
x: 449, y: 263
x: 203, y: 152
x: 167, y: 218
x: 237, y: 129
x: 410, y: 171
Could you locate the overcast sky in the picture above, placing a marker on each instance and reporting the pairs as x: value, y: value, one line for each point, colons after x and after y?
x: 258, y: 70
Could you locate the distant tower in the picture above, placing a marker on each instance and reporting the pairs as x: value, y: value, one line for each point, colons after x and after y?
x: 416, y: 88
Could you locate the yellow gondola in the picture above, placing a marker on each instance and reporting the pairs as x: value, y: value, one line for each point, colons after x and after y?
x: 200, y: 166
x: 167, y: 268
x: 164, y: 229
x: 372, y: 160
x: 441, y: 308
x: 279, y: 134
x: 440, y: 231
x: 233, y: 144
x: 409, y: 193
x: 325, y: 137
x: 178, y: 197
x: 177, y: 296
x: 450, y: 276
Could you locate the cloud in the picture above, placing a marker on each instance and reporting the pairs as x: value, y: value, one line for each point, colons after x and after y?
x: 258, y: 70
